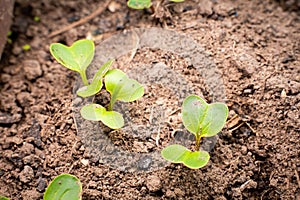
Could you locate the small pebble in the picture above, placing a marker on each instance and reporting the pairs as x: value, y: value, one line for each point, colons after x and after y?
x: 153, y: 183
x: 247, y: 91
x: 41, y: 186
x: 32, y: 69
x: 244, y: 150
x: 85, y: 162
x: 26, y: 175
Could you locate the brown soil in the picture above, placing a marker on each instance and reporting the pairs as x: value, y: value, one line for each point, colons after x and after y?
x: 256, y: 46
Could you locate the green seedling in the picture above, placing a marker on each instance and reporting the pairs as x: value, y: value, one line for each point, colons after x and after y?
x: 26, y: 47
x: 4, y: 198
x: 97, y: 83
x: 76, y: 57
x: 139, y: 4
x: 203, y: 120
x: 120, y: 88
x: 9, y: 40
x: 36, y: 18
x: 143, y: 4
x: 64, y: 187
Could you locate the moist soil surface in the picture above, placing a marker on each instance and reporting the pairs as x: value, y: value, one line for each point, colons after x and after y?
x: 255, y: 46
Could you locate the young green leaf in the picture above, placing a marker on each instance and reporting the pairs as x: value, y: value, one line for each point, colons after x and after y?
x: 121, y: 87
x: 96, y: 112
x: 177, y: 1
x: 96, y: 83
x: 179, y: 154
x: 3, y: 198
x: 76, y: 57
x: 64, y: 187
x: 139, y: 4
x: 203, y: 119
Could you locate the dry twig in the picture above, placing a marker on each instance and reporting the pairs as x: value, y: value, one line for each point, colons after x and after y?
x: 99, y: 10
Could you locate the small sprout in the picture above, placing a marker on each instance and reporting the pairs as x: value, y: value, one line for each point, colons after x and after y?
x: 9, y: 40
x: 3, y: 198
x: 203, y: 120
x: 26, y: 47
x: 96, y: 83
x: 122, y: 88
x: 96, y: 112
x: 64, y: 187
x: 36, y: 18
x: 139, y: 4
x: 76, y: 57
x: 9, y: 33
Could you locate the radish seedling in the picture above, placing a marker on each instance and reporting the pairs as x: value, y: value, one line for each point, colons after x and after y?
x: 77, y: 58
x: 64, y: 187
x: 120, y: 88
x: 203, y: 120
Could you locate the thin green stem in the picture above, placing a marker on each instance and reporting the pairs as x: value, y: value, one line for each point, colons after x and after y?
x: 198, y: 140
x: 84, y: 79
x: 110, y: 106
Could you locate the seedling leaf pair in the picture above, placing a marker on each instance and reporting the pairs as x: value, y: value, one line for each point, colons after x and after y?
x: 203, y: 120
x: 64, y: 187
x: 179, y: 154
x: 96, y: 112
x: 76, y: 57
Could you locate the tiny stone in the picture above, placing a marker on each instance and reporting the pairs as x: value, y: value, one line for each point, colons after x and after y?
x: 244, y: 150
x: 178, y: 192
x: 41, y: 184
x: 25, y: 99
x: 144, y: 163
x: 283, y: 94
x: 170, y: 194
x: 15, y: 140
x: 81, y: 148
x: 248, y: 91
x: 5, y: 78
x: 114, y: 6
x: 153, y: 183
x: 27, y: 174
x: 32, y: 69
x: 85, y: 162
x: 17, y: 49
x: 77, y: 101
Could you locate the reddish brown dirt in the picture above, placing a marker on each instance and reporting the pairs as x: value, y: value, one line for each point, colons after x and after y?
x: 256, y: 46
